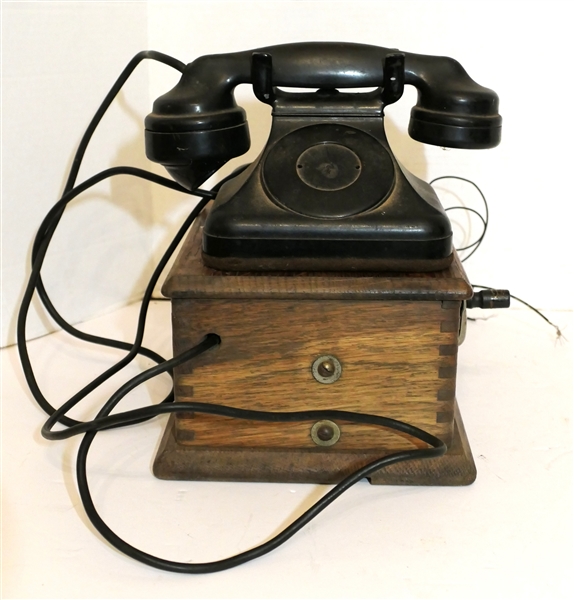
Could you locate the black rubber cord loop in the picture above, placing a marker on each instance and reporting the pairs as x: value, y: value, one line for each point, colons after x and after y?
x: 105, y: 421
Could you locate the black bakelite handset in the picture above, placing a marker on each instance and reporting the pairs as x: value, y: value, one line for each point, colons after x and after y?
x: 327, y: 191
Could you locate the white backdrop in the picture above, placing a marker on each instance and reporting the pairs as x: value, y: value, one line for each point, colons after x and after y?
x: 60, y: 58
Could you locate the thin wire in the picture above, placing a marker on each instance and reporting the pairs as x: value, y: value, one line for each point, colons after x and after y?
x: 478, y: 215
x: 479, y: 241
x: 536, y: 310
x: 484, y: 220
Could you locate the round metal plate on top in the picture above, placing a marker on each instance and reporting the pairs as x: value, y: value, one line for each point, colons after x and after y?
x: 328, y: 171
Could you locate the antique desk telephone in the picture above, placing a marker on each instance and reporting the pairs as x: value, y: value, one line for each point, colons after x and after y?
x: 318, y: 294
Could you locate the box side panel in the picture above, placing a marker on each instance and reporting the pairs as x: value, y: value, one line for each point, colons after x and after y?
x: 398, y: 360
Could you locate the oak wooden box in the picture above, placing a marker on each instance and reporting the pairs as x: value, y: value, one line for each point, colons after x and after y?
x: 395, y: 336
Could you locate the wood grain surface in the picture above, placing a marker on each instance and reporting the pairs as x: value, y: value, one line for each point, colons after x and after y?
x: 398, y: 360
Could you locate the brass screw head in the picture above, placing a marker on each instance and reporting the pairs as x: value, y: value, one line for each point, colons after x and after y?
x: 326, y: 369
x: 325, y: 433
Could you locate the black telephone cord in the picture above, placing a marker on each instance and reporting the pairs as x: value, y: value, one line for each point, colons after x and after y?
x: 104, y: 420
x: 44, y: 237
x: 72, y: 176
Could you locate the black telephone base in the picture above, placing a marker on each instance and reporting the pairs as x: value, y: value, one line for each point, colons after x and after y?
x: 325, y: 264
x: 328, y: 196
